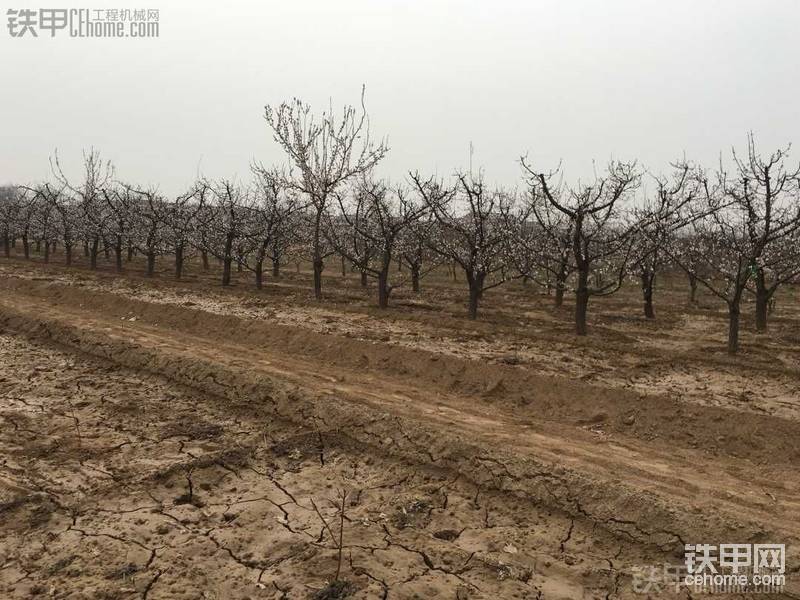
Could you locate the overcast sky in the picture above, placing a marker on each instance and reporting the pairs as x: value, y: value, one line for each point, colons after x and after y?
x: 565, y: 79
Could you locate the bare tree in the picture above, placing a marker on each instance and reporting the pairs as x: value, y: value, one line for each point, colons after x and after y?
x: 600, y: 243
x: 66, y: 218
x: 724, y: 256
x: 415, y: 248
x: 273, y: 208
x: 345, y: 233
x: 766, y: 190
x: 148, y: 224
x: 30, y: 204
x: 45, y: 217
x: 746, y: 229
x: 472, y: 236
x: 9, y: 211
x: 716, y: 249
x: 120, y: 200
x: 539, y: 244
x: 226, y: 223
x: 379, y: 216
x: 325, y: 153
x: 26, y: 206
x: 89, y: 193
x: 656, y: 220
x: 180, y: 217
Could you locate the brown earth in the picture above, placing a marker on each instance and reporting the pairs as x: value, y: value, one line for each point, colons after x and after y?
x: 166, y: 439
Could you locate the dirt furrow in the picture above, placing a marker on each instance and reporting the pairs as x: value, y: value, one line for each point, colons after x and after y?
x: 209, y: 497
x: 555, y: 472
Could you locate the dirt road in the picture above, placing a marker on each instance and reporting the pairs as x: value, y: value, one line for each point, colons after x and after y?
x: 166, y: 441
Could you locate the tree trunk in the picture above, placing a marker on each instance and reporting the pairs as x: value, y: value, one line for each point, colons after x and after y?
x: 47, y: 252
x: 415, y: 278
x: 383, y: 288
x: 6, y: 244
x: 474, y: 300
x: 344, y: 268
x: 475, y: 293
x: 762, y: 311
x: 318, y: 266
x: 383, y: 279
x: 227, y: 260
x: 692, y: 288
x: 118, y: 253
x: 259, y: 273
x: 179, y: 261
x: 86, y: 252
x: 68, y: 254
x: 559, y: 298
x: 762, y: 301
x: 647, y: 294
x: 204, y: 257
x: 317, y: 262
x: 733, y: 327
x: 38, y: 246
x: 561, y: 283
x: 363, y: 278
x: 151, y: 263
x: 226, y: 270
x: 276, y: 267
x: 26, y: 247
x: 581, y: 301
x: 93, y: 253
x: 129, y: 258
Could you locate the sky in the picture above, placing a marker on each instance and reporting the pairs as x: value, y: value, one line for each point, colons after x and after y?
x: 574, y: 81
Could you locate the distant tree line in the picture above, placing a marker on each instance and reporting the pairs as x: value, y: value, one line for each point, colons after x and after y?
x: 731, y: 231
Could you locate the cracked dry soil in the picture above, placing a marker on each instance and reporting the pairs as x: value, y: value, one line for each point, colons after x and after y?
x: 478, y: 462
x: 117, y: 484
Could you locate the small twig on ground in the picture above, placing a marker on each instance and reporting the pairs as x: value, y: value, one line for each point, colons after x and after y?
x: 338, y: 541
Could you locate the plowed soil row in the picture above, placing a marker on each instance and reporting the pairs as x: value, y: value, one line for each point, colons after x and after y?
x: 422, y: 439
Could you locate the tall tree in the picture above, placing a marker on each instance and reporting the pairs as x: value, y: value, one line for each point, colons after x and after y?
x: 540, y: 242
x: 601, y: 244
x: 149, y: 208
x: 471, y: 230
x: 226, y: 223
x: 766, y: 190
x: 9, y: 209
x: 180, y: 217
x: 656, y: 220
x: 273, y: 208
x: 379, y: 215
x: 325, y: 152
x: 97, y: 174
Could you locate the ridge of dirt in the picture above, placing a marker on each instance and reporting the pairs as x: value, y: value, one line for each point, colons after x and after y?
x: 498, y: 461
x: 130, y: 486
x: 663, y: 420
x: 471, y: 479
x: 678, y: 355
